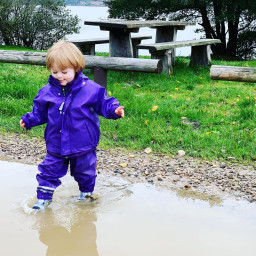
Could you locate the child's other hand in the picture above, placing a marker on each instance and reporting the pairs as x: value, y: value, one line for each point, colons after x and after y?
x: 22, y: 124
x: 120, y: 111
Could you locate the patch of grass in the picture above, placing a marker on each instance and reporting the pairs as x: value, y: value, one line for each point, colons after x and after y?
x: 208, y: 119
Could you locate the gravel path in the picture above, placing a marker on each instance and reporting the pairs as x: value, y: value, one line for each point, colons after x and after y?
x: 193, y: 176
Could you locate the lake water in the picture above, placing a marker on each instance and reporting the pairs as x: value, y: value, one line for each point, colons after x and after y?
x: 96, y: 13
x: 127, y: 219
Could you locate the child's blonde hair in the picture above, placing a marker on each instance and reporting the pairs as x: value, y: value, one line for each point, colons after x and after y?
x: 65, y: 55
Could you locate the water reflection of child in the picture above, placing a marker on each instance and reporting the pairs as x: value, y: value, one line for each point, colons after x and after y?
x: 70, y: 104
x: 80, y: 240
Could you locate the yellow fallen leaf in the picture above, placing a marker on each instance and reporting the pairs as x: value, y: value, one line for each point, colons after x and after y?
x: 207, y: 133
x: 123, y: 164
x: 109, y: 93
x: 146, y: 122
x: 154, y: 108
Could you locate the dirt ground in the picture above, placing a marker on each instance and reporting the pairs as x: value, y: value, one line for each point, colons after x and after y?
x: 194, y: 176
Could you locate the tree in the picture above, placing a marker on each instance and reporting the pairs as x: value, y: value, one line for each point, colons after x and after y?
x: 231, y: 21
x: 35, y: 23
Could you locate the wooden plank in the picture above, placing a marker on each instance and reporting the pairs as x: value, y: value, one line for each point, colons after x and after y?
x: 103, y: 40
x: 232, y: 73
x: 135, y: 37
x: 108, y: 63
x: 177, y: 44
x: 135, y: 23
x: 87, y: 46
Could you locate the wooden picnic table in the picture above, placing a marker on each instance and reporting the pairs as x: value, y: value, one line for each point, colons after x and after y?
x: 120, y: 43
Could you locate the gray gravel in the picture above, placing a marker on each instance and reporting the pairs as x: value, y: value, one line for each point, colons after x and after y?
x: 193, y: 176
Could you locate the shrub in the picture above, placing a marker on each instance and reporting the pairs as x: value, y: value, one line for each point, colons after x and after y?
x: 35, y: 23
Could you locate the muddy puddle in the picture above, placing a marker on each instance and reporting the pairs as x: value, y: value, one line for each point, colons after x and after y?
x: 126, y: 219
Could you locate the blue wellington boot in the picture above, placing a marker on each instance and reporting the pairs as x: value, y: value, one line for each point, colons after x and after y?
x: 84, y: 195
x: 41, y: 204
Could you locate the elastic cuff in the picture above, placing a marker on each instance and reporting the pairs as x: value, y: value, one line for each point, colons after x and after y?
x: 44, y: 193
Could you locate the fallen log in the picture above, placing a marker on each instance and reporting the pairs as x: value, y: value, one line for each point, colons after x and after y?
x: 108, y: 63
x: 99, y: 64
x: 232, y: 73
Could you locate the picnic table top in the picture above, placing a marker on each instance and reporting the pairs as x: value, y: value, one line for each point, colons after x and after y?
x: 113, y: 23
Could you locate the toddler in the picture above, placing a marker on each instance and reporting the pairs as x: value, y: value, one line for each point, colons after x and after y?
x: 69, y: 104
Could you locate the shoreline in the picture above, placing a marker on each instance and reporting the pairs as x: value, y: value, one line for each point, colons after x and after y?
x: 193, y: 177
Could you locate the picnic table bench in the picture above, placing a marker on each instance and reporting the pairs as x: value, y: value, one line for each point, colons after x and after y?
x: 87, y: 46
x: 200, y: 51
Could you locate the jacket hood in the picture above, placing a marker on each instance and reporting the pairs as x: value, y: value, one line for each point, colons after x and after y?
x: 75, y: 84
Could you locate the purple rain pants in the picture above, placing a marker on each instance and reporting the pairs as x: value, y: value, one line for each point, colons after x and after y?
x: 82, y: 168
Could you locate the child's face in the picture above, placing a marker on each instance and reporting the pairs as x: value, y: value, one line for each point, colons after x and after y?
x: 64, y: 76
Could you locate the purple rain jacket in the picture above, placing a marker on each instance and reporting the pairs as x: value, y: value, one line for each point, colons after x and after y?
x: 72, y: 120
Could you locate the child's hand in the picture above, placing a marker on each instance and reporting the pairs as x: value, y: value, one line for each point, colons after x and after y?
x: 22, y: 124
x: 120, y: 111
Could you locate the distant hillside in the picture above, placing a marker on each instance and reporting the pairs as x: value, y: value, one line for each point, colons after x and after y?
x: 85, y: 2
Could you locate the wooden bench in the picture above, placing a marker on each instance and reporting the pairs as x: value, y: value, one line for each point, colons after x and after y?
x: 87, y: 46
x: 200, y: 52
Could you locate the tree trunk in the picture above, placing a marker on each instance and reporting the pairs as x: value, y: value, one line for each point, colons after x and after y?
x: 233, y: 22
x: 210, y: 33
x: 206, y: 23
x: 220, y: 29
x: 232, y: 41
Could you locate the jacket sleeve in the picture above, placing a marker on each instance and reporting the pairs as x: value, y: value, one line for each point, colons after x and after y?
x: 39, y: 112
x: 104, y: 105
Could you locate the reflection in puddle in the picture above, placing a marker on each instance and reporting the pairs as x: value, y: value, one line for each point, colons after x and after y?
x: 127, y: 219
x: 212, y: 200
x: 60, y: 241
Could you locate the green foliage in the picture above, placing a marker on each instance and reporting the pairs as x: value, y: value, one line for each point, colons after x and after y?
x: 35, y: 23
x: 246, y: 44
x: 233, y: 22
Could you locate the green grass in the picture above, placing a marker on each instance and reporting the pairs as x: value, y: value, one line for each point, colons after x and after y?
x: 208, y: 119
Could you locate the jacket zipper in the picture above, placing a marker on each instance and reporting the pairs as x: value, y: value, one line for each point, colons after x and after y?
x: 62, y: 105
